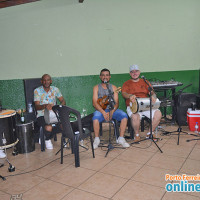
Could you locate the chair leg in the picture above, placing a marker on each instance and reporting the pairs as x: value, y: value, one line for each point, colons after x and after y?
x: 72, y: 146
x: 100, y: 129
x: 142, y: 124
x: 116, y: 128
x: 42, y: 139
x: 76, y: 150
x: 132, y: 133
x: 61, y: 149
x: 130, y: 129
x: 91, y: 140
x: 55, y: 137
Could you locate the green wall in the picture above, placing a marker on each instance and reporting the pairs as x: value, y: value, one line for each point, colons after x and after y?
x: 73, y: 41
x: 65, y: 38
x: 77, y: 90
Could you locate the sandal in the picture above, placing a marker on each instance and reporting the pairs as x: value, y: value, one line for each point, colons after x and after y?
x: 137, y: 138
x: 154, y: 138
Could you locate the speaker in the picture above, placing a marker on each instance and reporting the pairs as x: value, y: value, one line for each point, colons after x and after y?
x: 198, y: 101
x: 183, y: 101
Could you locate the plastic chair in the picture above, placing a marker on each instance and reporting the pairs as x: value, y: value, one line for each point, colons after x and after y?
x: 63, y: 115
x: 29, y: 86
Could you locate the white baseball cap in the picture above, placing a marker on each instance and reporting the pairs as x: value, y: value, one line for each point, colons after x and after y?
x: 133, y: 67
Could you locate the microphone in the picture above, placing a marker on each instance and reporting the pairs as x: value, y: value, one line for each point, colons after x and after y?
x: 107, y: 83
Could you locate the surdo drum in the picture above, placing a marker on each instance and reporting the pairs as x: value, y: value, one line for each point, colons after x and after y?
x: 143, y: 104
x: 7, y: 126
x: 25, y: 134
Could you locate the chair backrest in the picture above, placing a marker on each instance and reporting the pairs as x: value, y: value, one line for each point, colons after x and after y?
x: 29, y: 86
x: 63, y: 115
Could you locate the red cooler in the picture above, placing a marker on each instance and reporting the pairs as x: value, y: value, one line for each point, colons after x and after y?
x: 193, y: 116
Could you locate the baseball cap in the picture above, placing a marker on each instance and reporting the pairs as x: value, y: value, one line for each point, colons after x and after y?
x: 133, y: 67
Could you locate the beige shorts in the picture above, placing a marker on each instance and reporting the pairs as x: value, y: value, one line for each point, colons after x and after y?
x: 143, y: 113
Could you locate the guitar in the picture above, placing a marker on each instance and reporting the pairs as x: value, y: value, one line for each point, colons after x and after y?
x: 104, y: 101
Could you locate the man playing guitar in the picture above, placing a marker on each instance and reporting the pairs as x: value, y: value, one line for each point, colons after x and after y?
x: 100, y: 103
x: 136, y: 87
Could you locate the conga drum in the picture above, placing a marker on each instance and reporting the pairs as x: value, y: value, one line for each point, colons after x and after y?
x: 7, y: 126
x: 143, y: 104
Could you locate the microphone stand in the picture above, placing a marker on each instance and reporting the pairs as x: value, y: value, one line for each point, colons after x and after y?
x: 110, y: 107
x: 151, y: 135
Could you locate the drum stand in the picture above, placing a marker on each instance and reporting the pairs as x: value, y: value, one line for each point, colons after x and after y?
x: 151, y: 135
x: 11, y: 168
x: 111, y: 107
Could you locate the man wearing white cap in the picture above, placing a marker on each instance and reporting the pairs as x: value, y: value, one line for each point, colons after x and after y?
x: 137, y: 88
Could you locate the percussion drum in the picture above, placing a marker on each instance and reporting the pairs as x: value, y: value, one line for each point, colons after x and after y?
x: 50, y: 117
x: 25, y: 134
x: 7, y: 126
x: 143, y: 104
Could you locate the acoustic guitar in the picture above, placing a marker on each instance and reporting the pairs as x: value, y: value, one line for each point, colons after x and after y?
x: 104, y: 101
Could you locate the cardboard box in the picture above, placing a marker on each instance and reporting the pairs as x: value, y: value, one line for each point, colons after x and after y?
x: 193, y: 116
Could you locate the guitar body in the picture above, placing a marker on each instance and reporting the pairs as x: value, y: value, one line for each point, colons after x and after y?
x: 103, y: 102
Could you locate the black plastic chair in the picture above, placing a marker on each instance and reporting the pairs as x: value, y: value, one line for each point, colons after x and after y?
x: 29, y: 86
x: 63, y: 115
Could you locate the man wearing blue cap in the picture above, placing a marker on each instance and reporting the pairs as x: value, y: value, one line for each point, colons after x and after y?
x: 137, y: 88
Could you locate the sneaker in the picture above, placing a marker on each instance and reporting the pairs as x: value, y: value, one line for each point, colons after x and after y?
x: 2, y: 154
x: 48, y: 144
x: 123, y: 142
x: 96, y: 142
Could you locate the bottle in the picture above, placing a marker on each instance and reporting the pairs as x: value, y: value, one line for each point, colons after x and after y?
x: 84, y: 112
x: 196, y: 127
x: 30, y: 108
x: 22, y: 116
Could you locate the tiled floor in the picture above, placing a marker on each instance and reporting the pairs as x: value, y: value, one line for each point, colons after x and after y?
x: 134, y: 173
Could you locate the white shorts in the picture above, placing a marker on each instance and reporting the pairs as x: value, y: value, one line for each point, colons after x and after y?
x: 143, y: 113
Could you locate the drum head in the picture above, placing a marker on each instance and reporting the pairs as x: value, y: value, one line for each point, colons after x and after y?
x: 7, y: 113
x: 134, y: 107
